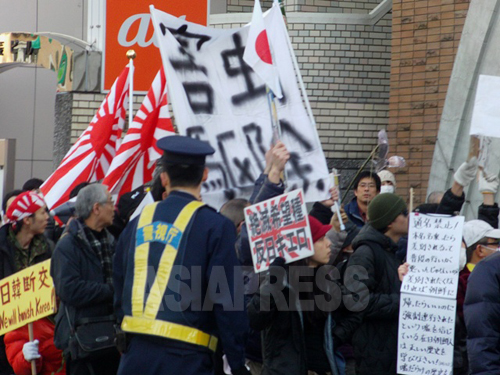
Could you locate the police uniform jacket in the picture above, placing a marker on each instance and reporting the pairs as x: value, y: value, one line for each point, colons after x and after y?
x: 205, y: 287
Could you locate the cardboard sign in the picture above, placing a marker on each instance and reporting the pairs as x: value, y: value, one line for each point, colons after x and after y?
x: 26, y: 296
x: 128, y: 26
x: 279, y: 227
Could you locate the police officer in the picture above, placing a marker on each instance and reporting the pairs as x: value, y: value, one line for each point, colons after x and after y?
x: 177, y: 285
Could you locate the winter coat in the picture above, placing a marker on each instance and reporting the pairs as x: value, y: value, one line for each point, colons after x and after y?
x: 374, y: 327
x: 283, y: 337
x: 482, y: 314
x: 51, y: 361
x: 489, y: 214
x: 263, y: 190
x: 352, y: 211
x: 79, y: 281
x: 7, y: 268
x: 450, y: 204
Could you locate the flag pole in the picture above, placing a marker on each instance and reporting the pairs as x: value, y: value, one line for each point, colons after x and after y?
x: 297, y: 69
x: 273, y: 112
x: 131, y: 56
x: 31, y: 337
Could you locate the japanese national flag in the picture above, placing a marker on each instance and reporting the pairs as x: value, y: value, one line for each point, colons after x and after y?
x: 258, y: 52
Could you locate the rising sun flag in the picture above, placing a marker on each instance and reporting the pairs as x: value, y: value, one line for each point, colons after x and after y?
x: 134, y: 162
x: 90, y: 157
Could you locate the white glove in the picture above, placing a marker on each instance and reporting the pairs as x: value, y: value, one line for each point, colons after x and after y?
x: 30, y: 350
x: 488, y: 183
x: 466, y: 172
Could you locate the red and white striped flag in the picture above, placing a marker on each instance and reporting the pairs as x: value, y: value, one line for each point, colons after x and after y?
x: 134, y: 162
x: 89, y: 158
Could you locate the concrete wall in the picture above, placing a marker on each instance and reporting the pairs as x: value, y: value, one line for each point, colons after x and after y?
x: 28, y: 94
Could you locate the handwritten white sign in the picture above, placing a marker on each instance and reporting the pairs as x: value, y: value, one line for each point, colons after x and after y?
x: 426, y: 335
x: 433, y: 254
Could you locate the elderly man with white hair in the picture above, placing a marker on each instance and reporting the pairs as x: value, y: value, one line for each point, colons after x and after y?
x: 82, y: 272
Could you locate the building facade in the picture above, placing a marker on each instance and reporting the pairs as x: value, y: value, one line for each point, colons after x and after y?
x: 367, y: 65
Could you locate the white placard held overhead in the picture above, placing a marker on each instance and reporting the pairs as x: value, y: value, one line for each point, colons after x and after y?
x: 486, y: 113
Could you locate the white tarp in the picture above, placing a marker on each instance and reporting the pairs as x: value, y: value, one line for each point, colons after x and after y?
x: 218, y: 98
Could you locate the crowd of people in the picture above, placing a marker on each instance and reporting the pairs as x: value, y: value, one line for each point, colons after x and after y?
x: 176, y: 281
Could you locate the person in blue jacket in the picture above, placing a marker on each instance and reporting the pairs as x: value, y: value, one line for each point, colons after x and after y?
x: 482, y: 314
x: 366, y: 187
x: 178, y: 288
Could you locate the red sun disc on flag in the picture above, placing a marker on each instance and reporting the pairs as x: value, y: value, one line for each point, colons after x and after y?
x: 262, y: 47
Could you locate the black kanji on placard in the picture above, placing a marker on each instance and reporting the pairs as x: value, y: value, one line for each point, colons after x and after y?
x: 242, y: 165
x: 254, y: 128
x: 234, y: 65
x: 188, y: 64
x: 183, y: 36
x: 200, y: 96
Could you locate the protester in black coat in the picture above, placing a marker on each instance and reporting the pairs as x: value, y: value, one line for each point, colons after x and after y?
x: 82, y: 272
x: 372, y: 275
x: 296, y: 340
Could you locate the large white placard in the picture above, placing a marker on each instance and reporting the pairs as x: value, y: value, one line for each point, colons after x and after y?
x: 279, y: 227
x: 426, y: 335
x: 433, y: 254
x: 218, y: 98
x: 486, y: 113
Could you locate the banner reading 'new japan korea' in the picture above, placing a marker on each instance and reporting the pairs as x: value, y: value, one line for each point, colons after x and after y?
x: 218, y: 98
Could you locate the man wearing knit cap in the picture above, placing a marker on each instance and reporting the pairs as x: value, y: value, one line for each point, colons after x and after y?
x: 376, y: 266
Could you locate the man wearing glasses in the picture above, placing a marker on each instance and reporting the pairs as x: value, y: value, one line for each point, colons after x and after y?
x: 482, y: 298
x: 366, y: 187
x: 372, y: 276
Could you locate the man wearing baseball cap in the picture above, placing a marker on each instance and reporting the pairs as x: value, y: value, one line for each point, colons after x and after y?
x: 481, y: 305
x: 377, y: 285
x: 22, y: 244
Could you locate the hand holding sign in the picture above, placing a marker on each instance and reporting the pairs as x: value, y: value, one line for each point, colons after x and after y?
x: 488, y: 183
x: 30, y: 350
